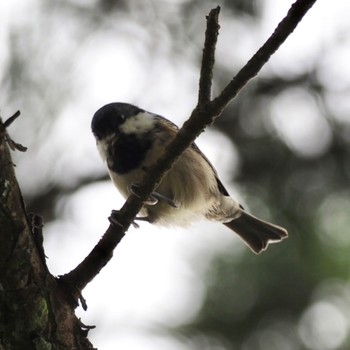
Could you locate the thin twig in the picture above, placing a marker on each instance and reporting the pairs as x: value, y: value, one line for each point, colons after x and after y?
x: 10, y: 120
x: 203, y: 115
x: 208, y: 57
x: 5, y: 136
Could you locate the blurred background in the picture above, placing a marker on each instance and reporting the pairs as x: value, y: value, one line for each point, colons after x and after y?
x: 281, y: 148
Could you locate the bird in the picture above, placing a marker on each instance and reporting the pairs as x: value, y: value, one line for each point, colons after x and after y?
x: 130, y: 140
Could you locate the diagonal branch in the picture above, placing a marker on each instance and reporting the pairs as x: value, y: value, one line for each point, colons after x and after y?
x: 77, y: 279
x: 204, y: 114
x: 254, y: 65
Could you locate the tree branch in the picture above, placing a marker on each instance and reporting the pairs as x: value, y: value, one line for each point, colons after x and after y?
x: 3, y: 133
x: 204, y: 114
x: 254, y: 65
x: 208, y: 57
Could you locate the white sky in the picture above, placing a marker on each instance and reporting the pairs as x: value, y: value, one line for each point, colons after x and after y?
x: 156, y: 276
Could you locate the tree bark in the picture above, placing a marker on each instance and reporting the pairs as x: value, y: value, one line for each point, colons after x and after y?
x: 35, y: 310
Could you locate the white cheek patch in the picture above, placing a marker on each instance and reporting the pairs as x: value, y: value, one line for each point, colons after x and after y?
x: 102, y: 149
x: 138, y: 124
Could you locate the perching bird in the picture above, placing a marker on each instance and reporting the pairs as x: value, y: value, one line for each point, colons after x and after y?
x: 131, y: 139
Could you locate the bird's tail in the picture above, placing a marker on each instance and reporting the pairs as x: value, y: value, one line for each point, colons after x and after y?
x: 256, y: 233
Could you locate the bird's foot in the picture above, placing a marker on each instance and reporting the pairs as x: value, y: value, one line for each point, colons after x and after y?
x: 154, y: 198
x: 115, y: 220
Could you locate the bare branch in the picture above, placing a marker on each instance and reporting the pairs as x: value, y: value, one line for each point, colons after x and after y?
x: 208, y: 58
x: 76, y: 280
x: 203, y: 115
x: 5, y: 136
x: 254, y: 65
x: 10, y: 120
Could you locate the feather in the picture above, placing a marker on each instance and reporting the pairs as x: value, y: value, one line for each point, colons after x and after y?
x: 256, y: 233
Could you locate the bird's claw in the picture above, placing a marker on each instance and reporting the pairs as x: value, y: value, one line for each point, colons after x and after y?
x: 160, y: 197
x: 134, y: 190
x: 114, y: 219
x: 154, y: 198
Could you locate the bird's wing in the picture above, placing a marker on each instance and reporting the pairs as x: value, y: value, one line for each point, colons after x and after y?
x: 174, y: 128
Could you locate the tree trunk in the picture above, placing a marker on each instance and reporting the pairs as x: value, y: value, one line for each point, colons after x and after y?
x: 36, y: 312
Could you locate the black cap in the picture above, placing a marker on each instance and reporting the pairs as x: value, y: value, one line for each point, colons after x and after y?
x: 109, y: 117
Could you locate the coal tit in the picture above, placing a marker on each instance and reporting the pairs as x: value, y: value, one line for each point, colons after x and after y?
x: 131, y: 139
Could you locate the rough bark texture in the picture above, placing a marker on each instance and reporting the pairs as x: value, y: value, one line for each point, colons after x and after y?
x: 35, y: 311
